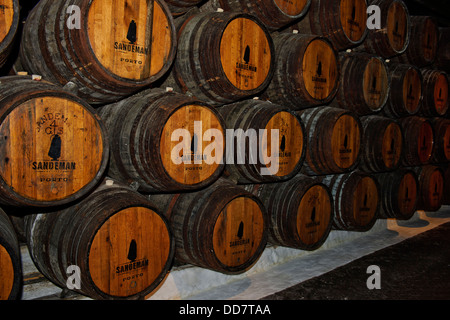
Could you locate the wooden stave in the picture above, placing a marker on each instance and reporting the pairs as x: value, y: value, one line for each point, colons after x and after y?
x: 441, y: 152
x: 286, y: 90
x: 353, y: 66
x: 58, y: 239
x: 189, y: 214
x: 178, y: 8
x: 371, y: 152
x: 267, y: 12
x: 442, y: 61
x: 411, y: 126
x: 315, y: 162
x: 13, y: 96
x: 254, y: 114
x: 395, y: 106
x: 10, y: 243
x: 342, y: 190
x: 74, y: 64
x: 188, y: 75
x: 282, y: 201
x: 132, y: 162
x: 389, y: 183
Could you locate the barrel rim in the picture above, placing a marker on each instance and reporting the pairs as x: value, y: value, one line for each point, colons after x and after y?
x: 10, y: 37
x: 303, y: 13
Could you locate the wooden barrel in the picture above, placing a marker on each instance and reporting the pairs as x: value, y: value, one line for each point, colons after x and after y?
x: 262, y: 122
x: 221, y: 228
x: 333, y: 140
x: 382, y: 144
x: 300, y: 210
x: 344, y: 22
x: 442, y: 61
x: 306, y: 71
x: 419, y: 140
x: 274, y: 14
x: 399, y: 193
x: 223, y: 57
x: 364, y: 83
x: 179, y: 7
x: 441, y: 152
x: 356, y: 200
x: 406, y: 93
x: 164, y: 141
x: 423, y: 44
x: 9, y: 25
x: 435, y: 93
x: 431, y: 185
x: 11, y: 279
x: 54, y: 146
x: 446, y: 192
x: 393, y: 37
x: 110, y: 55
x: 121, y: 244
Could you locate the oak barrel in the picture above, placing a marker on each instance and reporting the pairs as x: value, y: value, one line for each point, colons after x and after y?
x: 343, y: 22
x: 406, y: 92
x: 115, y: 236
x: 306, y: 71
x: 441, y: 152
x: 399, y: 193
x: 333, y: 140
x: 11, y: 279
x: 446, y: 191
x: 356, y: 200
x: 117, y: 49
x: 382, y: 144
x: 419, y: 140
x: 435, y: 93
x: 54, y: 146
x: 431, y: 185
x: 274, y: 14
x: 364, y: 84
x: 164, y: 141
x: 9, y: 27
x: 423, y: 44
x: 300, y: 211
x: 392, y: 39
x: 223, y: 57
x: 222, y: 227
x: 442, y: 61
x: 268, y: 142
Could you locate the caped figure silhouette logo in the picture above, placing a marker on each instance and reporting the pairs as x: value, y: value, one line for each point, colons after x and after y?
x: 240, y: 233
x: 247, y: 55
x: 55, y: 148
x: 132, y: 30
x: 132, y: 252
x: 283, y: 144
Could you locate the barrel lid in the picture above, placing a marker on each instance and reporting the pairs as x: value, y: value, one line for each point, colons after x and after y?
x: 239, y: 233
x: 412, y: 90
x: 199, y: 155
x: 353, y: 14
x: 246, y: 53
x: 6, y: 274
x: 7, y: 17
x: 425, y: 143
x: 392, y: 145
x: 130, y: 253
x: 398, y: 26
x: 291, y: 141
x: 375, y: 84
x: 365, y: 201
x: 314, y: 215
x: 320, y: 70
x: 441, y: 88
x: 52, y: 149
x: 408, y: 194
x: 133, y: 42
x: 346, y: 141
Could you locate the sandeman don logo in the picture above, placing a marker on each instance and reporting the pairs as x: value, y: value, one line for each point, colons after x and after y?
x: 245, y: 65
x: 131, y: 45
x: 134, y: 264
x: 240, y: 236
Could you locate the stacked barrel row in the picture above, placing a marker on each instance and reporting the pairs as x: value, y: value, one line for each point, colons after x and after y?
x: 144, y: 136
